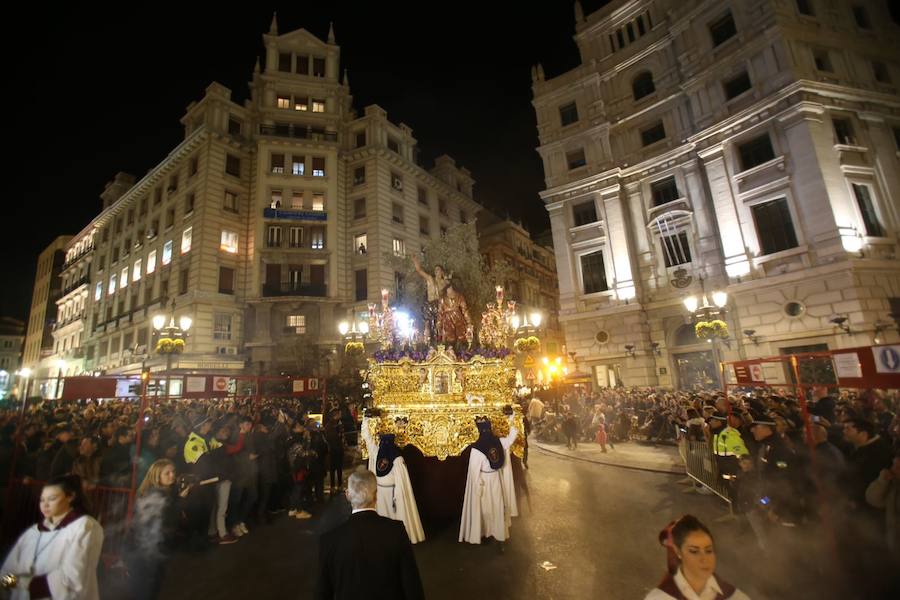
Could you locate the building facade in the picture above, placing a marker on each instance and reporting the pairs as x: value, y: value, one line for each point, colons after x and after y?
x: 746, y: 147
x: 42, y: 316
x: 535, y: 286
x: 266, y: 225
x: 12, y: 337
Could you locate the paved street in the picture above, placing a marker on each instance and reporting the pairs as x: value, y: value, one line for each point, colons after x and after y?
x: 596, y: 524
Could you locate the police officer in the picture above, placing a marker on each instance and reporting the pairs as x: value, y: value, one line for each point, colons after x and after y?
x: 776, y: 464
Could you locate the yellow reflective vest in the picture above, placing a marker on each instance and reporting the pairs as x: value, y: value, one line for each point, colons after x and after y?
x: 728, y: 442
x: 196, y: 446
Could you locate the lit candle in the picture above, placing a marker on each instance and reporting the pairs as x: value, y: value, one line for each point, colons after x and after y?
x: 384, y: 297
x: 499, y: 289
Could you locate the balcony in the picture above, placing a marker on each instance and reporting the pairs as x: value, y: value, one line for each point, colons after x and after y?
x: 74, y: 258
x: 73, y: 286
x: 317, y: 290
x: 298, y: 132
x: 295, y: 215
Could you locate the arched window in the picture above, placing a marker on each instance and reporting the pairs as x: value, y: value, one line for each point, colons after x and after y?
x: 685, y: 336
x: 643, y: 85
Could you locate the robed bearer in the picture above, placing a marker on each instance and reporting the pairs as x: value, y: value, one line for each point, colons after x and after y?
x: 395, y: 494
x: 490, y: 499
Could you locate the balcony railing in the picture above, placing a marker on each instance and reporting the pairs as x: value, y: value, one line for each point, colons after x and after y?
x: 298, y: 132
x: 295, y: 215
x: 318, y: 290
x: 72, y: 286
x: 87, y: 250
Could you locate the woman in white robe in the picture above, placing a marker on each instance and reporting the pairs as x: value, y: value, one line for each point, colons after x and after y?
x: 57, y: 557
x: 395, y: 498
x: 490, y: 500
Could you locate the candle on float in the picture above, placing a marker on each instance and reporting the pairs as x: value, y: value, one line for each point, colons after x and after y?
x: 499, y: 290
x: 384, y: 297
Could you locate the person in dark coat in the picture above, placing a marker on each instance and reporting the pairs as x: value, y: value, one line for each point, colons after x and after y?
x: 369, y: 556
x: 334, y: 436
x: 267, y: 465
x: 66, y: 452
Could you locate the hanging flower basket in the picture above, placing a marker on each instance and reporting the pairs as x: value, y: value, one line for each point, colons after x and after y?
x: 354, y: 349
x: 527, y: 344
x: 707, y: 330
x: 169, y: 346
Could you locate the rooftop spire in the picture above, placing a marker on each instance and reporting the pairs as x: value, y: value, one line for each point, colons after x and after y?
x: 579, y: 12
x: 256, y: 67
x: 273, y: 28
x: 346, y: 81
x: 330, y: 32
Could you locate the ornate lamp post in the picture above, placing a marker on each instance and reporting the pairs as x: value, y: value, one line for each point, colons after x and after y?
x: 354, y: 335
x: 171, y: 339
x: 708, y: 324
x: 60, y: 367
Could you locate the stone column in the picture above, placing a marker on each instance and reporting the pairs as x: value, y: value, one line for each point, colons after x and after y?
x: 724, y: 205
x: 617, y: 243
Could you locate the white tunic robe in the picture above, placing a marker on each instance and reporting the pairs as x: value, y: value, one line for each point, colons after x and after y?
x: 395, y: 498
x: 490, y: 500
x: 67, y: 556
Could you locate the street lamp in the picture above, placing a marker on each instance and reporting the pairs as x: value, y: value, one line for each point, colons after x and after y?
x: 24, y: 373
x: 702, y: 309
x: 521, y: 325
x: 353, y: 330
x: 176, y: 335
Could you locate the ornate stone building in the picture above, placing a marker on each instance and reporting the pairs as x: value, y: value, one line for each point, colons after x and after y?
x: 748, y: 147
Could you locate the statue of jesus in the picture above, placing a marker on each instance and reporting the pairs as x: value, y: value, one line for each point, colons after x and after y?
x: 435, y: 285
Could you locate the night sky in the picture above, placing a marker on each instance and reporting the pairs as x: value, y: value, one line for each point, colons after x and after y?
x: 103, y: 90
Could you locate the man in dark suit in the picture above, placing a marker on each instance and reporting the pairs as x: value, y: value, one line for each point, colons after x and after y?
x: 369, y: 556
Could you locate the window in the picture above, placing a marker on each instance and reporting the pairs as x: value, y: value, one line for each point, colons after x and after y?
x: 398, y: 285
x: 822, y: 60
x: 277, y: 163
x: 843, y: 132
x: 737, y: 85
x: 774, y: 226
x: 189, y: 204
x: 112, y: 285
x: 318, y: 201
x: 362, y: 288
x: 867, y: 210
x: 620, y: 38
x: 399, y: 247
x: 298, y: 165
x: 861, y: 17
x: 229, y: 242
x: 136, y: 271
x: 897, y: 137
x: 360, y: 139
x: 282, y: 101
x: 173, y: 184
x: 397, y: 213
x: 359, y: 175
x: 194, y: 167
x: 359, y: 244
x: 234, y: 126
x: 183, y: 282
x: 226, y: 280
x: 584, y: 213
x: 676, y: 250
x: 664, y: 191
x: 643, y: 85
x: 396, y: 182
x: 273, y: 237
x: 170, y: 218
x: 442, y: 206
x: 233, y: 165
x: 284, y: 62
x: 275, y: 199
x: 593, y: 273
x: 756, y: 152
x: 880, y: 72
x: 231, y: 202
x: 640, y: 25
x: 359, y: 208
x: 151, y: 262
x: 186, y: 236
x: 221, y: 326
x: 297, y: 322
x: 302, y: 64
x: 575, y: 159
x: 568, y: 114
x: 167, y: 252
x: 318, y: 166
x: 296, y: 237
x: 653, y: 134
x: 318, y: 106
x: 422, y: 195
x: 318, y: 238
x: 804, y: 7
x: 393, y: 145
x: 318, y: 67
x: 630, y: 31
x: 98, y: 291
x: 424, y: 225
x: 722, y: 30
x: 301, y: 103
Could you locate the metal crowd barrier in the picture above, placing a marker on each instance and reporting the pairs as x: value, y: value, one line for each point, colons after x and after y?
x: 700, y: 465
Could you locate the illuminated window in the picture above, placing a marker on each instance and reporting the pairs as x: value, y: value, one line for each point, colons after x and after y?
x: 151, y: 262
x: 318, y: 166
x: 277, y: 163
x: 123, y: 278
x: 222, y: 326
x: 301, y: 103
x: 318, y: 201
x: 275, y: 201
x: 296, y: 237
x: 297, y: 322
x: 112, y: 285
x: 360, y: 244
x: 318, y: 238
x: 318, y: 106
x: 284, y: 101
x: 399, y: 247
x: 229, y: 242
x: 136, y: 271
x: 298, y: 165
x: 167, y: 252
x: 186, y: 240
x: 98, y: 290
